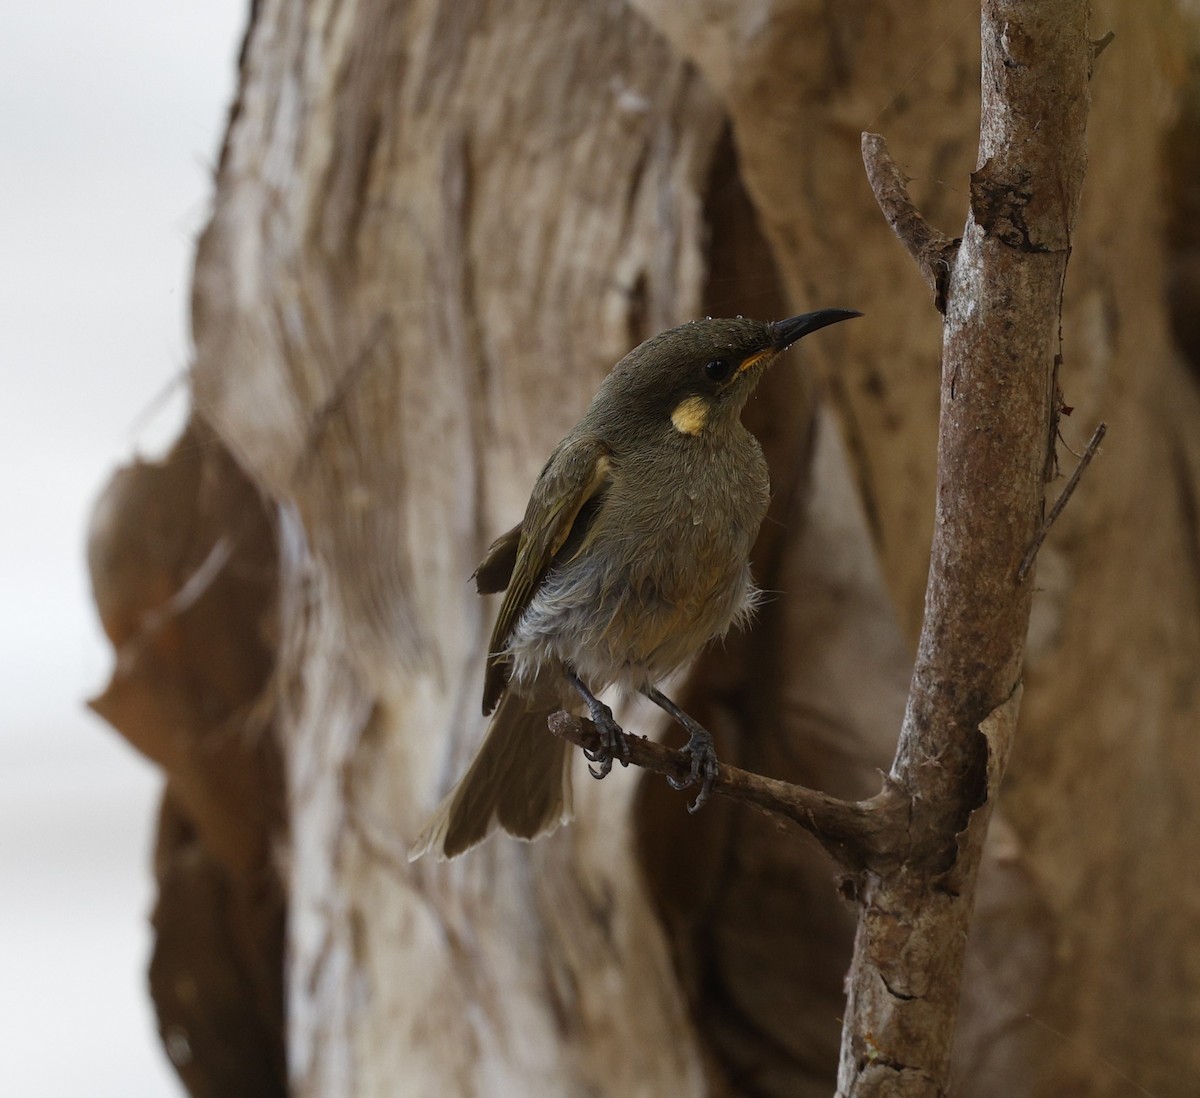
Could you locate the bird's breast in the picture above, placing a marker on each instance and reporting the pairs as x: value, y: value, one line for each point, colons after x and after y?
x: 663, y: 569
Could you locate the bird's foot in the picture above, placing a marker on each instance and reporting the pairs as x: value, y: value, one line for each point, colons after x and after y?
x: 612, y: 740
x: 612, y: 735
x: 699, y: 750
x: 703, y: 756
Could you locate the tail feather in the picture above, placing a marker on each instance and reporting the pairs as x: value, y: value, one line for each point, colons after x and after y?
x: 519, y: 780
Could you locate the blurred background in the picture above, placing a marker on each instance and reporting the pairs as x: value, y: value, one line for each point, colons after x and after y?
x: 111, y: 118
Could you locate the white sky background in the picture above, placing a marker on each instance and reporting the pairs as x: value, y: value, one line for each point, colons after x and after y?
x: 111, y: 117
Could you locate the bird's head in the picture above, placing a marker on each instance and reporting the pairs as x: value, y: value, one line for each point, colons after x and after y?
x: 697, y: 377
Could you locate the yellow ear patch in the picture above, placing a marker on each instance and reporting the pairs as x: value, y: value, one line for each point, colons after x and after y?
x: 690, y: 415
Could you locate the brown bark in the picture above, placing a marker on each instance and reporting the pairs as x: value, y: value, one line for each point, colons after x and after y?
x: 999, y: 422
x: 436, y: 226
x: 380, y: 308
x: 182, y: 559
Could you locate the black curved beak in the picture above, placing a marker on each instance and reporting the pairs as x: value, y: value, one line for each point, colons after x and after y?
x: 785, y: 332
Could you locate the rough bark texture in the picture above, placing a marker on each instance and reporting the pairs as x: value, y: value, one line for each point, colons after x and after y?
x: 404, y: 398
x: 999, y: 422
x: 436, y: 227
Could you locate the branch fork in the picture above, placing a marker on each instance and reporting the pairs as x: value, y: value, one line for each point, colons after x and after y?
x: 933, y: 251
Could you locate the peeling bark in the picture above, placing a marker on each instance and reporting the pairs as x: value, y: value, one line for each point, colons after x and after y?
x: 436, y: 227
x: 182, y: 560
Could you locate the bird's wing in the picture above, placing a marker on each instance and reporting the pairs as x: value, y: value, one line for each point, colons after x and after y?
x: 578, y: 472
x: 496, y: 569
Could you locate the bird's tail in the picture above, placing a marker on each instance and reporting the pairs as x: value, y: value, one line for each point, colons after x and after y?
x: 520, y: 780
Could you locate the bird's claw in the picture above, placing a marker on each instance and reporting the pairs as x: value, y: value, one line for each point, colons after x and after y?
x: 612, y: 739
x: 703, y: 769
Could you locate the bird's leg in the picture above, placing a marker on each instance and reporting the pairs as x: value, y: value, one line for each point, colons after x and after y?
x: 612, y: 735
x: 699, y: 748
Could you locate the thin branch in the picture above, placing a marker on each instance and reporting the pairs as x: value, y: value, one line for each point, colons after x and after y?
x: 1102, y: 43
x: 857, y: 834
x: 933, y: 251
x: 1085, y: 460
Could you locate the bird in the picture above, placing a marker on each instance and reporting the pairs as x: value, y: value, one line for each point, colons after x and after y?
x: 632, y: 555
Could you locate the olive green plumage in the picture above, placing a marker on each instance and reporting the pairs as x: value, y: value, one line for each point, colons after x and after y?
x: 633, y: 553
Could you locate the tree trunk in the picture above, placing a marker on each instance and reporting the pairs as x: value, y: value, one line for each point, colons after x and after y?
x: 436, y: 227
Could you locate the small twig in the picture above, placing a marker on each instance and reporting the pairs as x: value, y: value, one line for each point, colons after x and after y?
x: 1102, y: 43
x: 933, y: 251
x: 857, y: 834
x: 1089, y: 452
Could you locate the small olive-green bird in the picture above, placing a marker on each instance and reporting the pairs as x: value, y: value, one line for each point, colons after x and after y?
x: 633, y: 553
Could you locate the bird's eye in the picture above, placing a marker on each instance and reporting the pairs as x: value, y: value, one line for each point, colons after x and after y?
x: 718, y: 369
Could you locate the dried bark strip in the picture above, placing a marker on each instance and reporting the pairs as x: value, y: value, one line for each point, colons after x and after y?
x: 1004, y: 293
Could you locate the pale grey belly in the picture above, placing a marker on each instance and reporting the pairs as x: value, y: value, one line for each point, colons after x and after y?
x: 632, y: 625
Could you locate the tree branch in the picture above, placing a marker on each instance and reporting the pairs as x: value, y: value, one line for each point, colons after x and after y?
x: 1002, y: 304
x: 1085, y: 460
x: 933, y: 251
x: 856, y: 834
